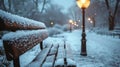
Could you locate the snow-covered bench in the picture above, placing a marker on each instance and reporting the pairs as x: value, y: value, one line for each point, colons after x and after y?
x: 24, y: 34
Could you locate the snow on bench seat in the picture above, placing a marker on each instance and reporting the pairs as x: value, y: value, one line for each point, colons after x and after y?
x: 70, y: 59
x: 50, y: 60
x: 13, y: 22
x: 39, y: 60
x: 60, y: 57
x: 53, y: 50
x: 65, y: 52
x: 17, y: 43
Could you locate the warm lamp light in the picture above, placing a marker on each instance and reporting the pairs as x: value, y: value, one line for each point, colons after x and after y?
x: 89, y: 19
x: 83, y: 3
x: 70, y: 21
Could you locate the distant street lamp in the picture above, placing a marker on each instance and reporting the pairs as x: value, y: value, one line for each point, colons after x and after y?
x: 83, y: 4
x: 92, y: 21
x: 89, y: 19
x: 78, y: 20
x: 52, y: 23
x: 70, y: 22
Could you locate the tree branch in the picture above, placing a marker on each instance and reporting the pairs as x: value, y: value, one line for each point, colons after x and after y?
x: 116, y: 7
x: 107, y: 4
x: 44, y: 2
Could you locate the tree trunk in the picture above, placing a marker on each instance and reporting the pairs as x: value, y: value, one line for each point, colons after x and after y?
x: 111, y: 22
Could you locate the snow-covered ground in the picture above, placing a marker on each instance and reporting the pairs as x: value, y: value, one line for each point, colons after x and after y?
x: 103, y: 51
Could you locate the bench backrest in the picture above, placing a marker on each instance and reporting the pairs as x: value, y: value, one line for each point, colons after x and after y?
x: 16, y: 46
x: 17, y: 43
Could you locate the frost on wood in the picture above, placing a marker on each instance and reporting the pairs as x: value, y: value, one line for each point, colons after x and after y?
x: 13, y: 22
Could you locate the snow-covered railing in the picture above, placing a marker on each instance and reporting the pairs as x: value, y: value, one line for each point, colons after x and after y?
x: 13, y: 22
x: 114, y: 33
x: 27, y: 33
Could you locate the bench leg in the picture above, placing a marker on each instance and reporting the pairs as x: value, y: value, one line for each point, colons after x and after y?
x: 41, y: 45
x: 16, y: 62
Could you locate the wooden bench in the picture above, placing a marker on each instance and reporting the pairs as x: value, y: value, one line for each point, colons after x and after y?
x: 26, y: 34
x: 23, y: 36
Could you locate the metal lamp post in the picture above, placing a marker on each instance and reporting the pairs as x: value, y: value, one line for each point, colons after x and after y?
x: 83, y: 4
x: 70, y: 22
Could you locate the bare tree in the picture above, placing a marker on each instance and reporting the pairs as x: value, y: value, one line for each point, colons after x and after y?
x: 112, y: 15
x: 43, y: 7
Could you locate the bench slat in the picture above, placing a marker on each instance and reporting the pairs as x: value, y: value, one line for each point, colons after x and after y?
x: 53, y: 50
x: 61, y: 61
x: 60, y: 57
x: 39, y: 60
x: 70, y: 57
x: 50, y: 60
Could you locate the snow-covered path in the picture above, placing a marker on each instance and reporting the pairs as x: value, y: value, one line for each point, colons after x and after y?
x: 103, y: 51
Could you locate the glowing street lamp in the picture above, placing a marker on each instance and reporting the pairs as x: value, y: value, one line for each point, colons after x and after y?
x: 78, y: 20
x: 70, y: 21
x: 83, y: 4
x: 52, y: 23
x: 89, y: 19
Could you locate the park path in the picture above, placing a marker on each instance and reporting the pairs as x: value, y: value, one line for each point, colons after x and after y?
x: 103, y: 51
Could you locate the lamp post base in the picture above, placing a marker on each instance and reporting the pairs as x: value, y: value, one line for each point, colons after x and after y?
x: 83, y: 46
x: 83, y: 54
